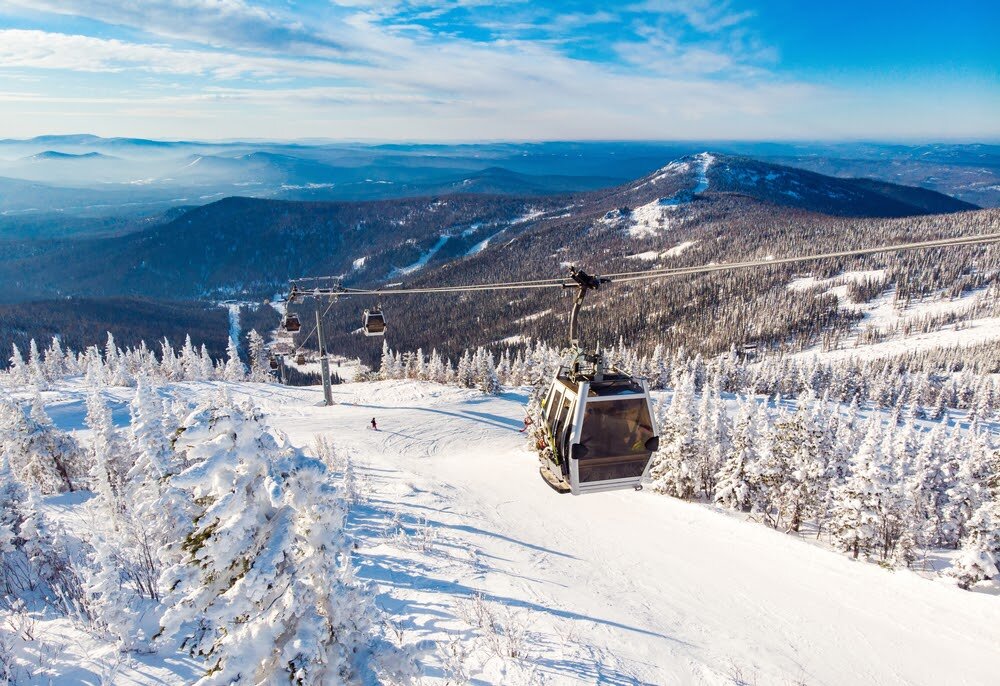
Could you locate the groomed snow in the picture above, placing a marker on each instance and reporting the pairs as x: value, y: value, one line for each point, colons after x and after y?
x: 806, y: 282
x: 678, y: 249
x: 424, y: 258
x: 618, y: 588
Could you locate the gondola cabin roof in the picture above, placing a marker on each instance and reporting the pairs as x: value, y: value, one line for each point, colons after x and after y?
x: 612, y: 384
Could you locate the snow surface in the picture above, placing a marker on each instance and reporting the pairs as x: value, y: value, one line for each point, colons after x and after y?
x: 884, y: 314
x: 647, y: 256
x: 234, y: 323
x: 652, y: 218
x: 651, y: 255
x: 615, y: 588
x: 424, y: 258
x: 806, y: 282
x: 678, y: 249
x: 655, y: 217
x: 485, y: 243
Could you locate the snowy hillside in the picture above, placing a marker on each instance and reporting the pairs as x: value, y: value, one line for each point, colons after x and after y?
x: 485, y: 575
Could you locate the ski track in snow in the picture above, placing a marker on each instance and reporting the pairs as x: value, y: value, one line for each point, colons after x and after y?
x: 424, y: 258
x: 614, y: 588
x: 234, y: 323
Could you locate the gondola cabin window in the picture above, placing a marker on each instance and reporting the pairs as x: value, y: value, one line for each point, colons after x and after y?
x: 613, y: 428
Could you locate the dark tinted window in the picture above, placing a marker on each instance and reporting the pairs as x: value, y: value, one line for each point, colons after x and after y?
x: 613, y: 428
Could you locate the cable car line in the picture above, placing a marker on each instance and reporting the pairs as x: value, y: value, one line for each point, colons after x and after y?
x: 980, y: 239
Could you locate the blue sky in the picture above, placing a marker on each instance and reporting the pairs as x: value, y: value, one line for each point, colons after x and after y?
x: 501, y: 70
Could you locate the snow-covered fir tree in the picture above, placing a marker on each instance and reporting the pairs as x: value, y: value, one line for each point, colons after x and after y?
x: 264, y: 591
x: 979, y: 559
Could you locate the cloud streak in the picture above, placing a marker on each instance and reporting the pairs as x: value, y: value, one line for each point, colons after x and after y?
x: 403, y: 69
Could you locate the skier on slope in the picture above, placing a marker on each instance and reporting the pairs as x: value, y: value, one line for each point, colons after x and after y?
x: 374, y: 425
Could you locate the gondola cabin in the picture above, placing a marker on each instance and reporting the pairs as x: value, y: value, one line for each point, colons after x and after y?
x: 600, y: 432
x: 292, y: 323
x: 273, y: 361
x: 300, y: 359
x: 374, y: 323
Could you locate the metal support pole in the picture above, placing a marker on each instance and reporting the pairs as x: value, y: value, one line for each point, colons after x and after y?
x: 324, y: 363
x: 282, y: 370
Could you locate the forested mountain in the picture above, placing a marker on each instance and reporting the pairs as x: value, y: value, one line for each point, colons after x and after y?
x: 697, y: 209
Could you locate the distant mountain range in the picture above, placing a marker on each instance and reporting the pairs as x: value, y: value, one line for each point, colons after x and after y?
x: 140, y: 177
x: 251, y: 247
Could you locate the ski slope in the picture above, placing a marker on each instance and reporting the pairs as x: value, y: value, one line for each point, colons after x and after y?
x: 622, y: 588
x: 613, y: 588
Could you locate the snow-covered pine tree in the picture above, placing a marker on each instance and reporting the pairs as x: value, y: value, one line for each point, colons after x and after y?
x: 108, y: 460
x: 207, y: 366
x: 863, y: 508
x: 980, y: 556
x: 265, y: 592
x: 19, y: 373
x: 733, y: 488
x: 674, y: 466
x: 485, y: 372
x: 235, y: 371
x: 114, y: 604
x: 712, y: 436
x: 259, y: 370
x: 154, y: 512
x: 928, y: 490
x: 38, y: 453
x: 190, y: 362
x: 797, y: 446
x: 465, y: 375
x: 36, y: 372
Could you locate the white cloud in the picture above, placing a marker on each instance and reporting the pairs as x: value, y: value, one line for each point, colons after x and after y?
x: 232, y: 23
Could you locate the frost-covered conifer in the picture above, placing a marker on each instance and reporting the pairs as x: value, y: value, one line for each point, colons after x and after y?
x: 929, y: 490
x: 797, y: 446
x: 235, y: 371
x: 36, y: 372
x: 674, y: 466
x: 38, y: 453
x: 465, y: 374
x: 980, y: 556
x: 485, y: 373
x: 265, y: 592
x: 19, y: 373
x: 259, y: 370
x: 854, y: 516
x: 109, y: 456
x: 712, y: 437
x: 733, y: 488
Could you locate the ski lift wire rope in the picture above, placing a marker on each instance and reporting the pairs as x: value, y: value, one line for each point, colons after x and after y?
x: 650, y: 274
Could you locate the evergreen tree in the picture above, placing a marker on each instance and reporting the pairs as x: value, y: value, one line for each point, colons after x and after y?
x: 234, y: 371
x: 19, y: 373
x: 733, y: 488
x: 980, y: 556
x: 259, y: 370
x: 854, y: 517
x: 264, y: 591
x: 674, y: 466
x: 37, y: 452
x: 108, y: 457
